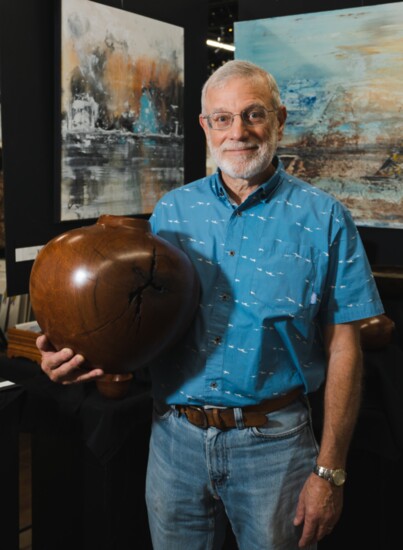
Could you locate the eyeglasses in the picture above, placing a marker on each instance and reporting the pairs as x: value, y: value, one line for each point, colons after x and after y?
x: 252, y: 116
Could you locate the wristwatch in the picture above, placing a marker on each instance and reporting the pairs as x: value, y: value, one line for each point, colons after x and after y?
x: 336, y: 477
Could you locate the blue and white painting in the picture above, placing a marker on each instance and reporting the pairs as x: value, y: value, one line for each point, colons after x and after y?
x: 122, y: 90
x: 340, y: 75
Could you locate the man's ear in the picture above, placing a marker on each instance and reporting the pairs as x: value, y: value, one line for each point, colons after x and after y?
x: 203, y: 123
x: 281, y: 117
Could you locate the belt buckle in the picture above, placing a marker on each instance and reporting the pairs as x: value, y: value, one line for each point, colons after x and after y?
x: 204, y: 416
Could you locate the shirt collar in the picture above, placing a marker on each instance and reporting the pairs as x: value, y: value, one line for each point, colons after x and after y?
x: 263, y: 192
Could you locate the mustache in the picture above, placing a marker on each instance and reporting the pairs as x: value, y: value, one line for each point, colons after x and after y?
x: 238, y: 146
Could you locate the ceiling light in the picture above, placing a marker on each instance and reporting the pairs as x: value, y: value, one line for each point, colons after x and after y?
x: 222, y: 45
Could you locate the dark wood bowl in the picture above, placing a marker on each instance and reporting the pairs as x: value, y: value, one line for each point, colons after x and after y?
x: 376, y: 332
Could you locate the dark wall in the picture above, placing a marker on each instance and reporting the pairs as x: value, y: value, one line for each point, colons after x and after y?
x: 29, y: 95
x: 259, y: 9
x: 383, y: 245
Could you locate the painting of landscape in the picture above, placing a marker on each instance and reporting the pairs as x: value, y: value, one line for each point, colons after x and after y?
x: 340, y: 75
x: 121, y: 111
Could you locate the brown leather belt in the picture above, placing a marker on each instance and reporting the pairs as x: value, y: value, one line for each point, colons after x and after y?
x: 224, y: 419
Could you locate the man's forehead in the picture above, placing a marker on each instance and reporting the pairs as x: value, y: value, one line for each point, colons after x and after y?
x: 252, y: 90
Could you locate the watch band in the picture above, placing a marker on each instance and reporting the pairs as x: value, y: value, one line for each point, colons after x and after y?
x: 336, y: 477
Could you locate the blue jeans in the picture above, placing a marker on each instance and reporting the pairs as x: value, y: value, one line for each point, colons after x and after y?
x: 198, y: 478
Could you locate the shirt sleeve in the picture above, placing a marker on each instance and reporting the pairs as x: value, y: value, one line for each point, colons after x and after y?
x: 155, y: 218
x: 350, y: 293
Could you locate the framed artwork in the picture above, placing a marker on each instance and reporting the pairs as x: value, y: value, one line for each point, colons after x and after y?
x: 340, y: 75
x: 120, y: 124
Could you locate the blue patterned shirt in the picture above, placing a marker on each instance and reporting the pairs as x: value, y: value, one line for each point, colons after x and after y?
x: 273, y: 271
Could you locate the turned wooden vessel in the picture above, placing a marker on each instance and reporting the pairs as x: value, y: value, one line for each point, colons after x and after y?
x: 114, y: 386
x: 113, y: 292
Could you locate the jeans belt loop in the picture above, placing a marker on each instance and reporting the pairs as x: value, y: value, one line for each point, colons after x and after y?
x: 238, y: 416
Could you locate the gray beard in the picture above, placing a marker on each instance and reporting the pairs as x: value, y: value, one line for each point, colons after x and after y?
x: 246, y: 169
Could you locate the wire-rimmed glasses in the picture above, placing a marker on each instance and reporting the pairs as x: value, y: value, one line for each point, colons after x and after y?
x: 251, y: 116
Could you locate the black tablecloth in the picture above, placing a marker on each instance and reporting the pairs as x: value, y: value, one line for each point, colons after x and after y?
x: 77, y: 410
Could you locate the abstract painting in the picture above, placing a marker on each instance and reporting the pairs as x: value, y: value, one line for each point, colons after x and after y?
x: 340, y: 75
x: 121, y: 111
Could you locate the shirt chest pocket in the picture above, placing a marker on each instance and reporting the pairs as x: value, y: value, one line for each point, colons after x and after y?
x: 285, y: 278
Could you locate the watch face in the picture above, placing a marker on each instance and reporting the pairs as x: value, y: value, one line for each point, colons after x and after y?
x: 339, y: 477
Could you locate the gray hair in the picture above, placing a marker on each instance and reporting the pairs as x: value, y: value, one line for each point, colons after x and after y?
x: 242, y: 69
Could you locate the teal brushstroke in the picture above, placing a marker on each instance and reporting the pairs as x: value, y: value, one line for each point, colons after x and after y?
x: 147, y: 122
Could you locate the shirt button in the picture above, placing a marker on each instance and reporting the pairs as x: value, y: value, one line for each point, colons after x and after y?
x: 224, y: 297
x: 213, y: 385
x: 239, y: 213
x: 217, y: 340
x: 232, y: 252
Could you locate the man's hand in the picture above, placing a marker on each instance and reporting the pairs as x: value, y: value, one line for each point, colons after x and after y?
x: 320, y: 503
x: 319, y: 509
x: 64, y: 366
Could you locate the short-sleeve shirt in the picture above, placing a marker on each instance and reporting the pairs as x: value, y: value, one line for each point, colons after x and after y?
x: 273, y: 271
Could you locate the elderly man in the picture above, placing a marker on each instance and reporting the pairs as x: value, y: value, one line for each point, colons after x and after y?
x: 284, y: 278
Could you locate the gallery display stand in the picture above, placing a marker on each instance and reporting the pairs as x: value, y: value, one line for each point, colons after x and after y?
x: 10, y: 404
x: 89, y: 457
x: 370, y: 517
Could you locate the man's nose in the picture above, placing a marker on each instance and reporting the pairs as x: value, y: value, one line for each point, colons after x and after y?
x: 238, y: 127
